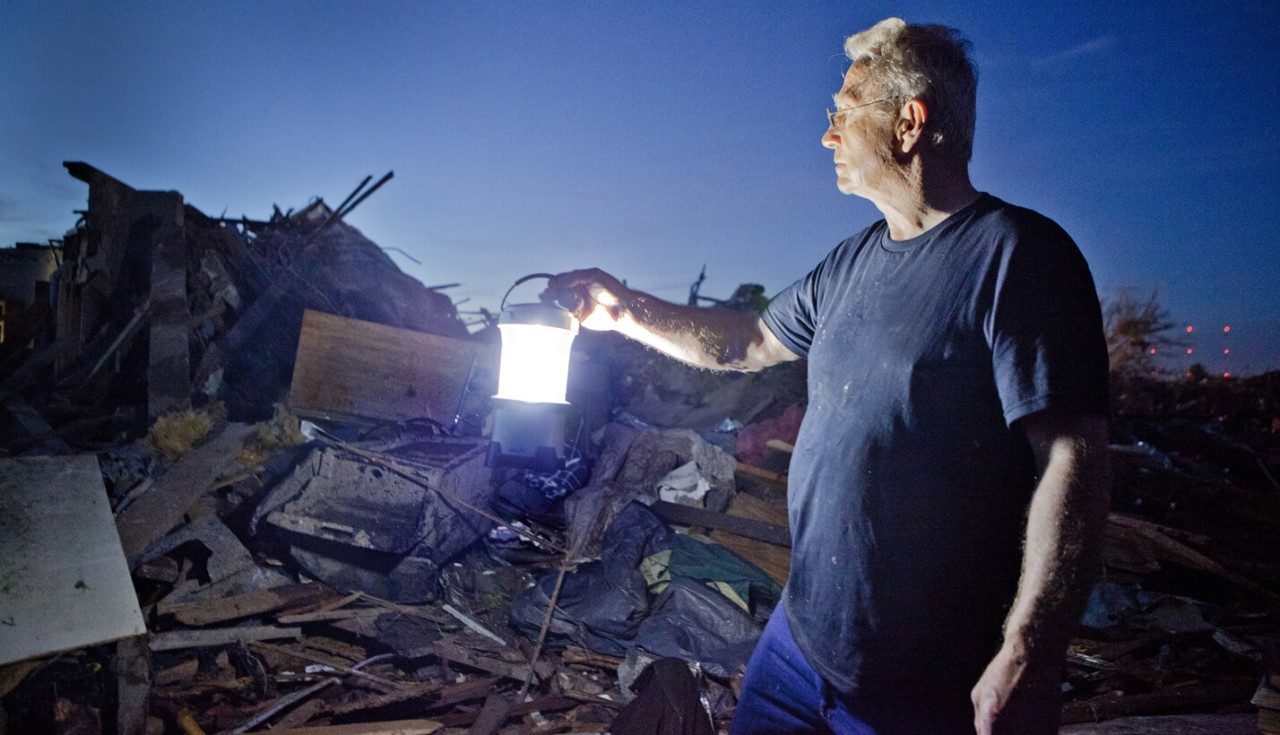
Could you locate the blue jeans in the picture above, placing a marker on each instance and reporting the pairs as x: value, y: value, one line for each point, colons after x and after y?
x: 783, y: 695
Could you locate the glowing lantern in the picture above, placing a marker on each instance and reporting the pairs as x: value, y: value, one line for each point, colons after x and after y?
x: 529, y: 408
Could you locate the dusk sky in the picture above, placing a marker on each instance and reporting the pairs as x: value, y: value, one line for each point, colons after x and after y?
x: 651, y: 138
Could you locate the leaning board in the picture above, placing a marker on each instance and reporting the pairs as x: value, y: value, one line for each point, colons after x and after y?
x: 63, y: 579
x: 349, y: 369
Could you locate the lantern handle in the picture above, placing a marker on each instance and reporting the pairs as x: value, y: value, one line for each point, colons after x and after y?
x: 519, y: 281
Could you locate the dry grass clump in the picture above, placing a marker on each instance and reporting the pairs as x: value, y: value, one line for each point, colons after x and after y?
x: 178, y: 432
x: 281, y: 431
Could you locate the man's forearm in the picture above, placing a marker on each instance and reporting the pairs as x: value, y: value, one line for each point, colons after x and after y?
x: 716, y: 339
x: 1065, y: 526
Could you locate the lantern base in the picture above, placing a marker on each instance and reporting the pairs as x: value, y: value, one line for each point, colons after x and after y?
x: 528, y: 436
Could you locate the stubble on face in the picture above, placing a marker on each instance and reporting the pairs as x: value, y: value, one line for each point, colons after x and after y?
x: 864, y: 153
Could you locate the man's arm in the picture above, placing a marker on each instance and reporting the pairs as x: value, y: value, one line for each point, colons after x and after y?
x: 715, y: 339
x: 1065, y: 526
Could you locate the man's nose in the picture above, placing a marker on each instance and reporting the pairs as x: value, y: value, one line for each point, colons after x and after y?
x: 830, y: 138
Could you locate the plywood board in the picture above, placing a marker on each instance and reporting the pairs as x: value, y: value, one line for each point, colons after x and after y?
x: 63, y: 579
x: 351, y: 369
x: 774, y: 560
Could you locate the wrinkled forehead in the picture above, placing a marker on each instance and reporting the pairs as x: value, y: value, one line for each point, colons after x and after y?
x: 856, y: 85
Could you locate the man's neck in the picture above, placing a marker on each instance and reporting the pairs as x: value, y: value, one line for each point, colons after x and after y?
x: 917, y: 202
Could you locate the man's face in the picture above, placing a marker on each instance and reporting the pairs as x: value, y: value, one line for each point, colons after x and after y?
x: 860, y: 140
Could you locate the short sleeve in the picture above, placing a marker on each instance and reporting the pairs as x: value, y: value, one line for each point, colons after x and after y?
x: 1045, y: 328
x: 792, y: 315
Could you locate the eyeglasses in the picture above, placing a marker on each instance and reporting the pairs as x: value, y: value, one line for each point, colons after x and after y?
x: 833, y: 114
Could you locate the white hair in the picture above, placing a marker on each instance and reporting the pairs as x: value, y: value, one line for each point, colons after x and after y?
x: 926, y: 62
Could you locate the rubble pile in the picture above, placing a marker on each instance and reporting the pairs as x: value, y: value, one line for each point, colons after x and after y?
x: 286, y: 435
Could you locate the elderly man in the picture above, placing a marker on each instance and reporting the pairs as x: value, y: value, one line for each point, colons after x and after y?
x: 950, y: 480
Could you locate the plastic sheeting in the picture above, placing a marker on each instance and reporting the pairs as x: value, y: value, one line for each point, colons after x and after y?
x: 605, y: 605
x: 602, y: 603
x: 694, y: 622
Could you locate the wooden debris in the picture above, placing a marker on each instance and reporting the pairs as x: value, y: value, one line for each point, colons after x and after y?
x: 301, y: 715
x: 178, y: 673
x: 208, y: 612
x: 330, y: 615
x: 133, y: 685
x: 575, y: 655
x: 395, y: 727
x: 685, y: 515
x: 474, y: 625
x: 158, y: 511
x: 449, y: 649
x: 1175, y: 551
x: 1166, y: 700
x: 169, y: 372
x: 759, y: 473
x: 187, y: 723
x: 496, y: 710
x: 179, y: 639
x: 348, y: 369
x: 773, y: 559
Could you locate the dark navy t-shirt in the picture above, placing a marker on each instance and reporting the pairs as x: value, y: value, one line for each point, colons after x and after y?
x: 910, y: 479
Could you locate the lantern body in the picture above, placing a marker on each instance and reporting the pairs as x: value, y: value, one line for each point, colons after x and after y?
x: 529, y: 408
x: 535, y: 363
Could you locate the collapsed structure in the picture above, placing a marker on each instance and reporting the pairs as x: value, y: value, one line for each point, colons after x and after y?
x: 288, y: 436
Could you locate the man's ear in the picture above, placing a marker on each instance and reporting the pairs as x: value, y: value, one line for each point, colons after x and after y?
x: 909, y: 131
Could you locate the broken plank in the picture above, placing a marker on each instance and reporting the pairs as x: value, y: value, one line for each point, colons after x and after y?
x: 584, y: 657
x: 300, y: 715
x: 349, y: 369
x: 378, y: 701
x: 150, y: 518
x: 208, y: 612
x: 431, y: 697
x: 1171, y: 699
x: 1172, y: 550
x: 178, y: 673
x: 330, y: 615
x: 685, y: 515
x: 395, y: 727
x: 133, y: 685
x: 178, y: 639
x: 455, y: 653
x: 468, y: 690
x: 493, y: 713
x: 773, y: 560
x: 760, y: 473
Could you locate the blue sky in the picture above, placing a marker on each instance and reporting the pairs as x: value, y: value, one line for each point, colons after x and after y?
x: 651, y: 138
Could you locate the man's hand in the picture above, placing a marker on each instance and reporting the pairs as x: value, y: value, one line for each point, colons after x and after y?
x: 713, y: 339
x: 1016, y: 695
x: 597, y: 299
